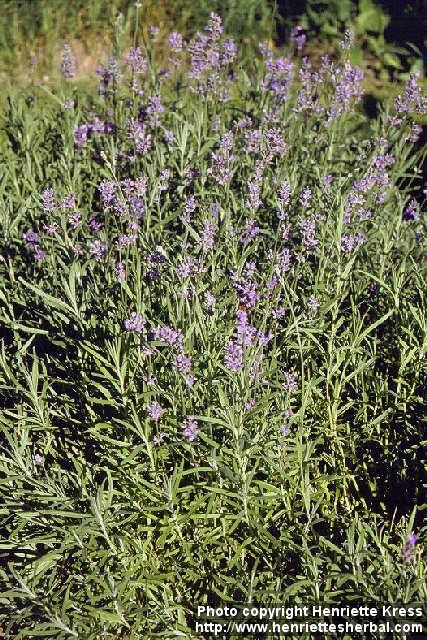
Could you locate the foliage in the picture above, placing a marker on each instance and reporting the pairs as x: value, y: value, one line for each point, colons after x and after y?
x: 212, y: 307
x: 369, y: 21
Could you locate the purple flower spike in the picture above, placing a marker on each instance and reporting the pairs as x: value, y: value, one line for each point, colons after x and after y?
x: 49, y: 203
x: 411, y: 211
x: 290, y: 383
x: 135, y: 323
x: 168, y: 335
x: 250, y: 231
x: 136, y: 61
x: 313, y: 304
x: 81, y: 133
x: 32, y: 239
x: 176, y: 42
x: 39, y: 254
x: 298, y: 37
x: 191, y: 428
x: 97, y: 249
x: 155, y: 411
x: 233, y: 356
x: 68, y: 62
x: 120, y: 271
x: 408, y: 548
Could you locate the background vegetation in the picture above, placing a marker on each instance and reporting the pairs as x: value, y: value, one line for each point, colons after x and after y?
x: 390, y: 38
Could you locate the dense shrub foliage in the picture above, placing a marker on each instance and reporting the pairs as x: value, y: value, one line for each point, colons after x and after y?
x: 213, y: 327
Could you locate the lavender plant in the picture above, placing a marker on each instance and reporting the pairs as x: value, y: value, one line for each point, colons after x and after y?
x: 213, y: 331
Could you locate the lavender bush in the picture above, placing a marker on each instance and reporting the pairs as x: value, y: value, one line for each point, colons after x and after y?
x: 213, y: 328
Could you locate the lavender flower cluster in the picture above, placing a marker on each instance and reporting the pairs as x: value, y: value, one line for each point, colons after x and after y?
x: 245, y: 230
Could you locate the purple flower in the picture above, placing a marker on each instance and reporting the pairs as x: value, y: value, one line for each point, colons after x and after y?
x: 113, y: 69
x: 229, y: 51
x: 176, y: 42
x: 126, y: 240
x: 51, y: 228
x: 246, y: 289
x: 68, y: 62
x: 188, y: 269
x: 105, y: 79
x: 233, y: 356
x: 253, y: 202
x: 81, y: 133
x: 249, y: 270
x: 214, y: 209
x: 209, y: 59
x: 285, y: 429
x: 348, y: 85
x: 68, y: 202
x: 135, y: 323
x: 253, y: 140
x: 182, y: 363
x: 154, y: 107
x: 189, y: 208
x: 411, y: 211
x: 39, y: 254
x: 279, y: 76
x: 77, y: 249
x: 298, y: 37
x: 74, y: 219
x: 97, y: 249
x: 350, y: 242
x: 164, y: 178
x: 305, y: 197
x: 136, y: 61
x: 290, y: 383
x: 32, y: 239
x: 191, y: 174
x: 169, y: 136
x: 327, y: 180
x: 94, y: 225
x: 256, y: 370
x: 283, y: 260
x: 284, y: 198
x: 222, y: 159
x: 139, y: 134
x: 246, y: 333
x: 120, y: 271
x: 250, y: 231
x: 210, y: 301
x: 155, y: 411
x: 49, y: 203
x: 408, y: 548
x: 191, y: 428
x: 412, y: 98
x: 308, y: 232
x: 348, y: 41
x: 275, y: 141
x: 207, y: 235
x: 278, y: 313
x: 154, y: 260
x: 308, y: 95
x: 168, y: 335
x: 107, y: 189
